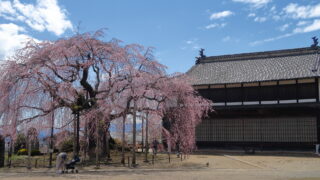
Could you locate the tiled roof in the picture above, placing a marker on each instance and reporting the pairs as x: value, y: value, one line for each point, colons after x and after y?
x: 258, y: 66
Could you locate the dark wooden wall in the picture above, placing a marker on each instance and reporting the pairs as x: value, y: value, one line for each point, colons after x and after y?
x: 267, y: 127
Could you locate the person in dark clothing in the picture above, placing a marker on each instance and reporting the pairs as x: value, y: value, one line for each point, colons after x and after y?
x: 155, y: 144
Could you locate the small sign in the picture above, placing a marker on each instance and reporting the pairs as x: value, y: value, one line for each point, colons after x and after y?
x: 44, y: 149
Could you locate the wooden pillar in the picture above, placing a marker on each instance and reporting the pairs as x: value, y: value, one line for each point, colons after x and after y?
x: 317, y: 89
x: 278, y: 92
x: 297, y: 89
x: 318, y: 125
x: 318, y: 110
x: 242, y: 94
x: 259, y: 92
x: 225, y: 95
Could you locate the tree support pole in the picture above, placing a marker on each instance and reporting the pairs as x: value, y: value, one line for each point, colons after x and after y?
x: 123, y: 139
x: 147, y: 140
x: 78, y: 136
x: 74, y: 136
x: 76, y: 129
x: 97, y: 144
x: 51, y: 141
x: 134, y: 130
x: 108, y: 145
x: 142, y: 134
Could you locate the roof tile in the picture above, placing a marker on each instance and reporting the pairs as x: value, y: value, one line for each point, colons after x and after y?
x: 253, y: 67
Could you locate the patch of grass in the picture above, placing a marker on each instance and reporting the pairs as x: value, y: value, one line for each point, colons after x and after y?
x: 17, y: 157
x: 161, y: 160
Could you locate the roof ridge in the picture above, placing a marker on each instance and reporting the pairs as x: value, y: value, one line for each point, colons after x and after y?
x: 260, y: 55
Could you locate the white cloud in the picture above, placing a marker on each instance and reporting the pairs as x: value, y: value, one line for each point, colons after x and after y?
x: 220, y: 15
x: 309, y: 28
x: 284, y: 27
x: 302, y: 12
x: 226, y: 39
x: 210, y: 26
x: 215, y: 25
x: 251, y: 15
x: 254, y: 3
x: 191, y: 44
x: 6, y: 8
x: 301, y: 23
x: 273, y: 13
x: 276, y: 17
x: 271, y: 39
x: 257, y: 18
x: 44, y: 15
x: 11, y: 39
x: 314, y: 26
x: 273, y: 9
x: 260, y: 19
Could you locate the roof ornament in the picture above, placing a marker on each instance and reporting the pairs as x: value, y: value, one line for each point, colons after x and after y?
x: 201, y: 56
x: 316, y: 47
x: 315, y: 42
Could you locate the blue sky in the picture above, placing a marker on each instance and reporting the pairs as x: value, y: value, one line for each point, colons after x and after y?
x: 177, y: 29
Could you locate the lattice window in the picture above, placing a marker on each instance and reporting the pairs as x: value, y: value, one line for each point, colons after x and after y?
x: 271, y: 129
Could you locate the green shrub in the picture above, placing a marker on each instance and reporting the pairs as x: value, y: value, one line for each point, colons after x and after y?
x: 22, y: 152
x: 35, y: 152
x: 66, y: 145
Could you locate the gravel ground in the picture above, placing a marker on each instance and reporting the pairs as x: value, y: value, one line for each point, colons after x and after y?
x: 197, y: 167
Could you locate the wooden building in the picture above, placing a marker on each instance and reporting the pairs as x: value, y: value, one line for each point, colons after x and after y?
x: 263, y: 99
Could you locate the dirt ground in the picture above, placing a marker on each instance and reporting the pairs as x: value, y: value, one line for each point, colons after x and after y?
x: 217, y: 166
